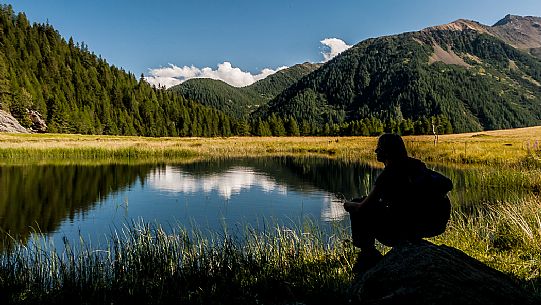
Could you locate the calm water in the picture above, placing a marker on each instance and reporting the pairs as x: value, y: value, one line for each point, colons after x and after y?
x: 92, y: 201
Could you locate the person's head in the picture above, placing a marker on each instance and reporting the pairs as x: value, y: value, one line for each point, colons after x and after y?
x: 390, y: 148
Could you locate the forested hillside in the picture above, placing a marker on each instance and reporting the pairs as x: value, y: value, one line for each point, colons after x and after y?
x: 79, y: 92
x: 272, y: 85
x: 237, y: 102
x: 454, y: 74
x: 240, y: 102
x: 458, y: 77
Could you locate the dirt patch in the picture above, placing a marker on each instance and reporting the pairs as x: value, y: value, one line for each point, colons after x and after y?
x: 513, y: 65
x: 418, y: 41
x: 473, y: 58
x: 531, y: 80
x: 446, y: 56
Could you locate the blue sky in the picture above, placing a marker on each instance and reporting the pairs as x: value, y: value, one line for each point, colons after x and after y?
x: 240, y: 38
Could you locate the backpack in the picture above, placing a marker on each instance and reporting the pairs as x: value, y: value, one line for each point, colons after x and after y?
x: 432, y: 205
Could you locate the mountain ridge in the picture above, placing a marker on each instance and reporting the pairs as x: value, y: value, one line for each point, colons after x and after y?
x: 522, y: 32
x: 461, y: 76
x: 241, y: 101
x: 479, y: 80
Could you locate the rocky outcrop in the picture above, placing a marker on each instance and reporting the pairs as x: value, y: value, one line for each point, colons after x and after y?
x: 38, y: 123
x: 523, y: 32
x: 424, y: 273
x: 9, y: 124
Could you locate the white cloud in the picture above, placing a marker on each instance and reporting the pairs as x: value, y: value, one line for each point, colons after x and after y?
x: 174, y: 75
x: 333, y: 47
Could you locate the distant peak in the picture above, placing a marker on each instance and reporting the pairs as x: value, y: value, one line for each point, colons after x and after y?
x: 514, y: 18
x: 459, y: 25
x: 508, y: 18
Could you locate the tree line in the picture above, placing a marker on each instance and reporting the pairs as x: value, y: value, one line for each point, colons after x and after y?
x: 393, y: 77
x: 77, y: 91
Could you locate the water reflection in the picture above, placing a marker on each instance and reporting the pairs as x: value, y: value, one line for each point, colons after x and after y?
x: 235, y: 180
x: 39, y: 198
x: 94, y: 200
x: 231, y: 182
x: 333, y: 209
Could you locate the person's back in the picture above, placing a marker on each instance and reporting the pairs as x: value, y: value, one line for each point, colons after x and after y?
x: 394, y: 209
x: 399, y: 201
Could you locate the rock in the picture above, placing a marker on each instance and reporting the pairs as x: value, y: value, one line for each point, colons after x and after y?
x: 424, y: 273
x: 38, y: 123
x: 9, y: 124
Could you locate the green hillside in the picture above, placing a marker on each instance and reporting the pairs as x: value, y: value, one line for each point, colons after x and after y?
x: 217, y: 94
x: 274, y: 84
x: 240, y: 102
x: 457, y: 73
x: 77, y: 91
x: 462, y: 76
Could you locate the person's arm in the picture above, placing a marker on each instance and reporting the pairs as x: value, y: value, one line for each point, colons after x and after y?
x: 353, y: 206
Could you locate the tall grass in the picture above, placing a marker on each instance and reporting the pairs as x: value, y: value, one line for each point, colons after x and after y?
x: 95, y: 154
x: 518, y: 148
x: 144, y: 264
x: 506, y: 236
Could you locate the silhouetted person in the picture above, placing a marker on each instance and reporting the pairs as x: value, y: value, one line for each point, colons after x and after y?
x: 392, y: 212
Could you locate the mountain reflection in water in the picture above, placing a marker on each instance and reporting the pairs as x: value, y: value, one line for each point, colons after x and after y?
x: 93, y: 201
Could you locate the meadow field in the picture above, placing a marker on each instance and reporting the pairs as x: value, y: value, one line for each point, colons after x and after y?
x: 144, y: 263
x: 513, y: 147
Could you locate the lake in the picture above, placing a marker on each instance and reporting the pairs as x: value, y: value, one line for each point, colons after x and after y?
x: 92, y: 201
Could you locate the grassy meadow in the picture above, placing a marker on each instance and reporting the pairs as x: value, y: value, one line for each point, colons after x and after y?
x: 284, y: 265
x: 515, y: 147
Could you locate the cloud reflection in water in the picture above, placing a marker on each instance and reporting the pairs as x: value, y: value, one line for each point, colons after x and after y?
x: 232, y: 182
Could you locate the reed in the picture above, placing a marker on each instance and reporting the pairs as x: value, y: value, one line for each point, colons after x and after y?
x: 144, y: 264
x: 506, y: 236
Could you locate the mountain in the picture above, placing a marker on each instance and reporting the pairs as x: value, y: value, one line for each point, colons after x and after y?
x: 239, y: 102
x: 461, y: 76
x: 523, y: 33
x: 234, y: 101
x: 76, y: 91
x: 274, y: 84
x: 475, y: 76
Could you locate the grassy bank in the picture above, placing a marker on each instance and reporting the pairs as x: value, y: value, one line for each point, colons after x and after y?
x: 282, y: 266
x: 144, y: 265
x: 507, y: 237
x: 516, y: 147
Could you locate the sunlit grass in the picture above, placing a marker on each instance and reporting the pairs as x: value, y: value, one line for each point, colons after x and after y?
x: 506, y: 236
x: 145, y: 264
x: 515, y: 147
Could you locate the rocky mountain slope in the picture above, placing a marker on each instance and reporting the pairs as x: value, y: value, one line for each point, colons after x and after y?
x: 477, y: 76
